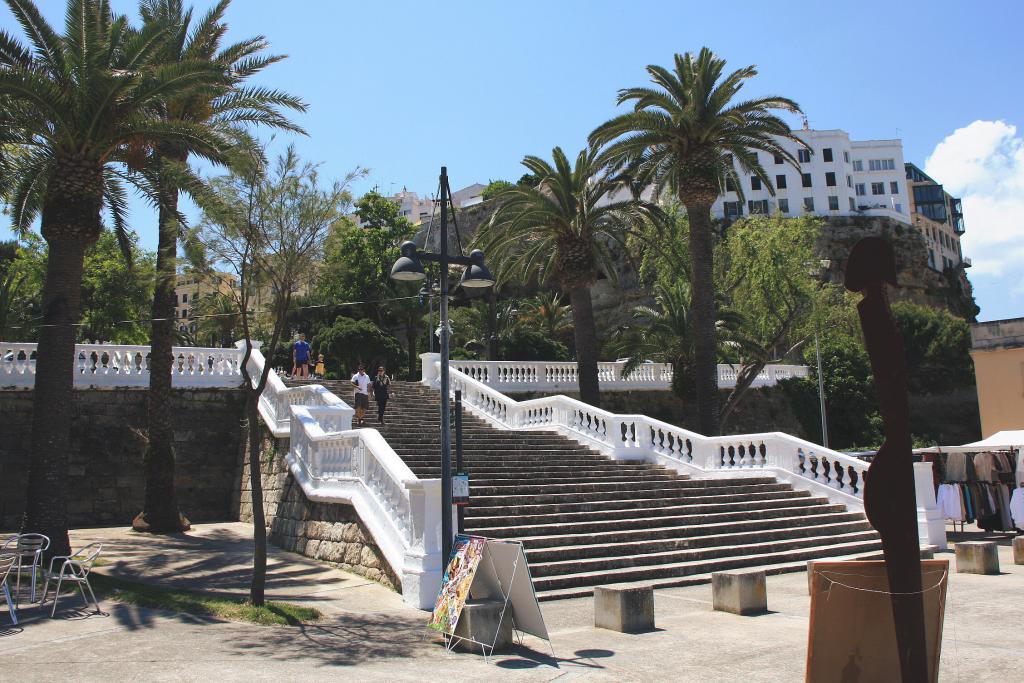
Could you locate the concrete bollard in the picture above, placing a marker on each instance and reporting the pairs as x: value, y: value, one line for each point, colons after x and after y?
x: 626, y: 609
x: 480, y: 619
x: 742, y: 593
x: 977, y: 557
x: 1018, y: 550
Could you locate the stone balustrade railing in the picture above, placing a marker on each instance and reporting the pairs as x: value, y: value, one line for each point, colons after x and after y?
x: 334, y: 463
x: 109, y: 366
x: 803, y: 464
x: 543, y: 376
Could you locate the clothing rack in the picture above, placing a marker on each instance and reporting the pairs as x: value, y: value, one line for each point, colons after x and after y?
x: 983, y: 485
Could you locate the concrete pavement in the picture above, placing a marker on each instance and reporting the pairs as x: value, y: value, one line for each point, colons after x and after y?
x: 368, y: 632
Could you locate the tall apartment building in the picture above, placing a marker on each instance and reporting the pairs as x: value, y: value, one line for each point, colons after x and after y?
x: 939, y: 217
x: 837, y: 176
x: 417, y: 210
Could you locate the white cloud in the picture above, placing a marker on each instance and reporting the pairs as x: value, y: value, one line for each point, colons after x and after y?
x: 983, y: 164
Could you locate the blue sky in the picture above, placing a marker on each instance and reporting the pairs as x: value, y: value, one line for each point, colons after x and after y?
x: 404, y: 87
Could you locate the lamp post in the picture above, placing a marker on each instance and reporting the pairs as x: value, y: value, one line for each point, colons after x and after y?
x: 824, y: 265
x: 409, y: 268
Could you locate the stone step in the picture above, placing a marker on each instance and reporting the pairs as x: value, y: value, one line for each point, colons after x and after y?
x: 763, y: 563
x: 478, y: 508
x: 678, y: 491
x: 544, y: 528
x: 554, y: 575
x: 688, y: 538
x: 600, y: 486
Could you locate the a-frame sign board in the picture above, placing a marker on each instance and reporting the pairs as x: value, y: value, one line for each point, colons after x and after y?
x: 488, y: 569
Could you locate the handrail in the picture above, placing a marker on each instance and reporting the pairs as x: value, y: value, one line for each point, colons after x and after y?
x: 112, y: 366
x: 334, y: 463
x: 554, y: 376
x: 803, y: 464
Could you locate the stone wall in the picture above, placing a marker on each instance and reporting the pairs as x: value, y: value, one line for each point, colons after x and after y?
x: 106, y: 479
x: 331, y: 532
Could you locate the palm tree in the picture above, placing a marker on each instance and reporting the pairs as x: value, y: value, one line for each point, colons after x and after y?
x: 222, y: 107
x: 80, y: 103
x: 664, y: 333
x: 218, y: 318
x: 547, y: 313
x: 563, y: 230
x: 683, y: 136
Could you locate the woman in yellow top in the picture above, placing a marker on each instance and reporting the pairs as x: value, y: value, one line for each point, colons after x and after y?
x: 319, y: 371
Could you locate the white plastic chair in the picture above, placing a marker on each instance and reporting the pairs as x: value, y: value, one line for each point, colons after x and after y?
x: 74, y: 568
x: 6, y: 562
x: 26, y: 548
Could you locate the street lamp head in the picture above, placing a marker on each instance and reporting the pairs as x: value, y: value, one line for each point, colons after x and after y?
x: 477, y: 275
x: 408, y: 267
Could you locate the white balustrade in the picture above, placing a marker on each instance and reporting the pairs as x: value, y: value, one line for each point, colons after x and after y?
x: 805, y: 465
x: 543, y: 376
x: 114, y: 366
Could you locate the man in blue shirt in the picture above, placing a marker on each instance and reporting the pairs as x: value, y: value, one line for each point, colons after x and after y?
x: 300, y: 358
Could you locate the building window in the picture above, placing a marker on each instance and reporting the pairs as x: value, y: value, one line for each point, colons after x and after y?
x: 830, y: 179
x: 881, y: 164
x: 805, y: 178
x: 784, y: 205
x: 730, y: 186
x: 755, y: 183
x: 779, y: 159
x: 931, y: 258
x: 733, y: 209
x: 877, y: 188
x: 780, y: 182
x: 826, y: 154
x: 853, y: 205
x: 757, y: 206
x: 808, y: 203
x: 898, y: 207
x: 803, y: 156
x: 858, y: 165
x: 833, y: 203
x: 861, y: 191
x: 846, y: 157
x: 184, y: 298
x: 894, y: 187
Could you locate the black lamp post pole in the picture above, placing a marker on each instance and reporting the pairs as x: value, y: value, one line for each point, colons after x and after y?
x: 446, y: 415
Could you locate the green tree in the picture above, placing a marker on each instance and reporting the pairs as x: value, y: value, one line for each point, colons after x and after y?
x: 770, y: 281
x: 546, y: 312
x: 268, y: 223
x: 22, y: 270
x: 219, y: 106
x: 561, y: 231
x: 81, y: 103
x: 218, y: 318
x: 376, y: 211
x: 347, y: 343
x: 684, y: 135
x: 494, y: 188
x: 116, y: 293
x: 937, y: 346
x: 357, y: 265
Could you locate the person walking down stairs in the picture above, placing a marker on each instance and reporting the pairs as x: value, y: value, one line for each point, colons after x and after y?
x: 361, y: 381
x: 381, y: 392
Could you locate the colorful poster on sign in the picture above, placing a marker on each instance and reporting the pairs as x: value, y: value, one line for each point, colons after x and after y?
x: 458, y: 577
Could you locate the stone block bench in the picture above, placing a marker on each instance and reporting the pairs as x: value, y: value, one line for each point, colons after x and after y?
x: 977, y: 557
x: 626, y: 608
x: 1018, y: 550
x: 481, y: 621
x: 739, y: 592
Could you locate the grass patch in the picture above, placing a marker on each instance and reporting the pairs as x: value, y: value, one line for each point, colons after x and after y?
x: 272, y: 613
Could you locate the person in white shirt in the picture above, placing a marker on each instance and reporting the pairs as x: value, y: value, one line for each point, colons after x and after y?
x: 361, y: 381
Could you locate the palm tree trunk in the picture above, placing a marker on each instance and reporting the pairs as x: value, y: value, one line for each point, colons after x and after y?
x: 586, y: 345
x: 259, y: 524
x: 160, y: 511
x: 705, y: 342
x: 70, y: 223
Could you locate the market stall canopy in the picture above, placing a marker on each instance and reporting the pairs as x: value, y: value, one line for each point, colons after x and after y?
x: 1000, y: 441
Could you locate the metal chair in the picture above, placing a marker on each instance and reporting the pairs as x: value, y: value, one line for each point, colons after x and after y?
x: 30, y: 548
x: 6, y: 562
x: 74, y: 568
